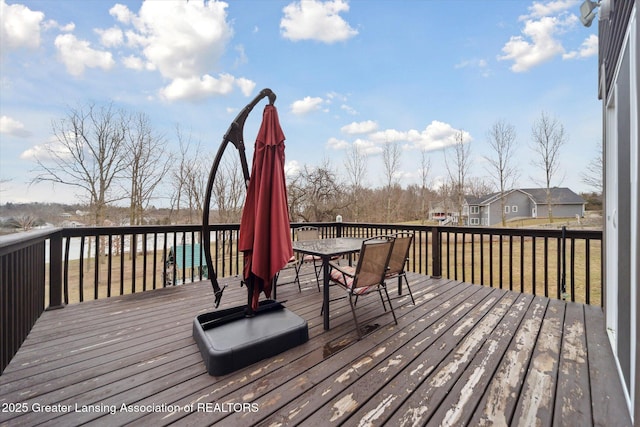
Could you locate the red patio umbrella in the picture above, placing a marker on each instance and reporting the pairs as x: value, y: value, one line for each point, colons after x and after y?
x: 265, y: 237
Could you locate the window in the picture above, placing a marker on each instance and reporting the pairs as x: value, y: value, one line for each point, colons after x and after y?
x: 475, y: 221
x: 507, y: 209
x: 514, y: 209
x: 475, y: 209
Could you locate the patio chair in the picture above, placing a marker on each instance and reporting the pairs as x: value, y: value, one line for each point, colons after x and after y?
x: 399, y: 259
x: 309, y: 233
x: 291, y: 264
x: 303, y: 233
x: 367, y: 276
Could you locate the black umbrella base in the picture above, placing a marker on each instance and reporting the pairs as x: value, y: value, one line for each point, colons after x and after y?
x: 229, y: 340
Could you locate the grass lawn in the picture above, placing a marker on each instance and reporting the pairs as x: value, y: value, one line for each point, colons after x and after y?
x: 533, y: 267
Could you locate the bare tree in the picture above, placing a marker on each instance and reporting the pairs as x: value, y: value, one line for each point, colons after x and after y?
x: 147, y: 164
x: 316, y: 194
x: 592, y: 176
x: 425, y: 169
x: 478, y: 187
x: 24, y: 222
x: 188, y: 178
x: 88, y: 154
x: 178, y: 172
x: 548, y: 138
x: 195, y: 185
x: 391, y: 163
x: 458, y: 163
x: 356, y: 167
x: 229, y: 190
x: 502, y: 140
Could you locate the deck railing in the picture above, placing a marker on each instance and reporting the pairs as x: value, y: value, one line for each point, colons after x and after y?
x: 22, y: 290
x: 556, y: 263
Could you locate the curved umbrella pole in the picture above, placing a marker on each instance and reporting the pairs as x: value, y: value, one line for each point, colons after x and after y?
x: 235, y: 136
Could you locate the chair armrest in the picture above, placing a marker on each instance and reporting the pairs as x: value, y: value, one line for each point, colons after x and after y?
x: 340, y: 269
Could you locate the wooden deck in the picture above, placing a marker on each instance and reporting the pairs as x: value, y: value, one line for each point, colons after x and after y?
x: 463, y: 355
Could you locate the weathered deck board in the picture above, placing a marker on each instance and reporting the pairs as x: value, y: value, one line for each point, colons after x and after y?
x: 536, y: 403
x: 498, y: 402
x: 573, y: 402
x: 463, y: 355
x: 461, y: 400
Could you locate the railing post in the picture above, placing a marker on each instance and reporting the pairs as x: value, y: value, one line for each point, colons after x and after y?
x: 563, y: 254
x: 338, y: 229
x: 55, y: 272
x: 436, y: 247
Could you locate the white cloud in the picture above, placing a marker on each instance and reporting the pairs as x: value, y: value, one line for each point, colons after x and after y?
x: 389, y: 135
x: 475, y: 64
x: 133, y: 62
x: 182, y: 39
x: 349, y: 110
x: 47, y: 151
x: 111, y: 37
x: 306, y: 105
x: 13, y: 127
x: 541, y: 47
x: 364, y: 146
x: 589, y: 47
x: 367, y: 147
x: 53, y: 24
x: 316, y: 20
x: 198, y: 88
x: 540, y: 40
x: 539, y: 10
x: 122, y: 13
x: 19, y: 26
x: 292, y: 168
x: 337, y: 144
x: 359, y: 127
x: 242, y: 56
x: 78, y: 54
x: 436, y: 135
x: 67, y: 28
x: 246, y: 86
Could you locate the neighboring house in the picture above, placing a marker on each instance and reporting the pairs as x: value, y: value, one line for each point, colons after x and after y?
x: 618, y: 59
x: 522, y: 203
x: 444, y: 211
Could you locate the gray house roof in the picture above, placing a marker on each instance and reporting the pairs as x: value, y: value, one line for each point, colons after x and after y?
x: 559, y: 196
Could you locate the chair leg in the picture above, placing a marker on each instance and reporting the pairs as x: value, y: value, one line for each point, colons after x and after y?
x: 318, y: 269
x: 355, y: 318
x: 390, y: 306
x: 409, y: 288
x: 382, y: 299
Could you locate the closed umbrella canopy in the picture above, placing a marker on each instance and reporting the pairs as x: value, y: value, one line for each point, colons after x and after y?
x: 265, y: 237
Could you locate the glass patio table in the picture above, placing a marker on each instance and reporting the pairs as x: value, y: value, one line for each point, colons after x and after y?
x: 327, y: 249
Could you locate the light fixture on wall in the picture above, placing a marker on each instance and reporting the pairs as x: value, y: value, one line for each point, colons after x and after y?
x: 588, y: 10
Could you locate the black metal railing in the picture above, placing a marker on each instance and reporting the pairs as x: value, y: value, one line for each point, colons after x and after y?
x: 100, y: 262
x: 22, y: 291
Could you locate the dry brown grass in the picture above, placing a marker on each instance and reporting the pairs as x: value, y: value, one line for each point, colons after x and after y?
x: 527, y: 269
x: 471, y: 263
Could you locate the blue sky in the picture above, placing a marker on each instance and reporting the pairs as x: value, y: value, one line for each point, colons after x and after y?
x: 345, y: 72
